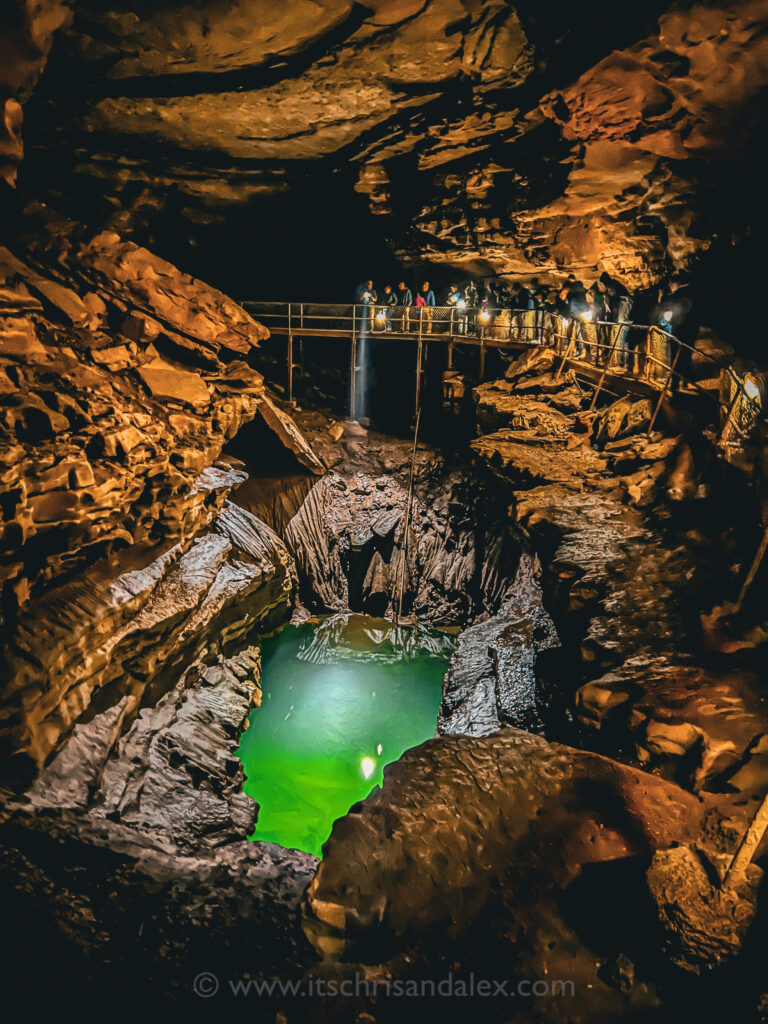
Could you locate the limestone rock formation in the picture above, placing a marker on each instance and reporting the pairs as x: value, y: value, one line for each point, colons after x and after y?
x: 116, y: 636
x: 122, y: 381
x: 351, y: 551
x: 485, y: 136
x: 472, y: 854
x: 620, y: 522
x: 492, y: 679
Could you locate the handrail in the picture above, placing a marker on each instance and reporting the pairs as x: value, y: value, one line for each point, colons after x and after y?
x: 653, y: 357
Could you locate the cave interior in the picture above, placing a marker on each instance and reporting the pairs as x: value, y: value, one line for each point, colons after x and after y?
x: 519, y: 568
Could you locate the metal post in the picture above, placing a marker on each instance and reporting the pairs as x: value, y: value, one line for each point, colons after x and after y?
x: 419, y: 349
x: 353, y: 377
x: 482, y: 354
x: 301, y: 315
x: 289, y: 317
x: 559, y: 373
x: 450, y: 354
x: 604, y: 374
x: 418, y: 375
x: 290, y: 368
x: 663, y: 392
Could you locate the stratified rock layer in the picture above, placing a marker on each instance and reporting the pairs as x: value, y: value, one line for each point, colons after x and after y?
x: 636, y: 544
x: 496, y: 138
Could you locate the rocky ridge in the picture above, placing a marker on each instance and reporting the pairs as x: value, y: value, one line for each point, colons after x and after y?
x: 535, y: 838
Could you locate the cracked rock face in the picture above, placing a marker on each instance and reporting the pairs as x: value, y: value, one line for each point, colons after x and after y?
x: 488, y: 137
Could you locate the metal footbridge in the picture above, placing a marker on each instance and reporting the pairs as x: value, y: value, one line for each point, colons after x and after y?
x: 618, y: 358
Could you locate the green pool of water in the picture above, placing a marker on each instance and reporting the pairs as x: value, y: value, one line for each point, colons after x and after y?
x: 340, y: 700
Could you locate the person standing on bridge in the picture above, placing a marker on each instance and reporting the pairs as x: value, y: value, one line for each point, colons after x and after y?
x: 429, y: 305
x: 458, y: 305
x: 366, y: 296
x: 405, y: 301
x: 390, y: 302
x: 674, y: 316
x: 618, y: 304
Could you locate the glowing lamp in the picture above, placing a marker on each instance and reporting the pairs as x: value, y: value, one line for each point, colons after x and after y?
x: 381, y: 316
x: 367, y: 767
x: 485, y: 316
x: 751, y: 387
x: 668, y: 314
x: 462, y: 304
x: 588, y: 316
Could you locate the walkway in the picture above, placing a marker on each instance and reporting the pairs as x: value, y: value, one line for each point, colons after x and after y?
x: 615, y: 358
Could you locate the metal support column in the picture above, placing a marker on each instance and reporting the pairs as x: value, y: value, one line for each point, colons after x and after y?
x: 604, y: 374
x: 290, y: 368
x: 482, y: 354
x: 570, y: 339
x: 663, y: 394
x: 353, y: 377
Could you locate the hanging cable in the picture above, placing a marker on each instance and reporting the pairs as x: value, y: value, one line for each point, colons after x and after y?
x: 408, y: 507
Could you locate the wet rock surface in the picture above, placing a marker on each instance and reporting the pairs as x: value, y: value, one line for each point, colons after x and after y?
x: 111, y: 909
x: 348, y: 538
x: 122, y: 381
x: 492, y: 681
x: 134, y: 591
x: 524, y: 830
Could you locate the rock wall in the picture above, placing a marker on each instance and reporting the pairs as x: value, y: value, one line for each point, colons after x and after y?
x: 468, y: 861
x: 134, y: 591
x: 637, y: 542
x: 122, y: 381
x: 349, y: 536
x: 479, y: 137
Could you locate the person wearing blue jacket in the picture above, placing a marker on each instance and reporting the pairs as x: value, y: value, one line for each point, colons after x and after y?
x: 405, y: 301
x: 429, y: 308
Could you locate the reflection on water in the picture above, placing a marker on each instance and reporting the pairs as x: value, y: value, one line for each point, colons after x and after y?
x: 363, y: 637
x: 340, y: 701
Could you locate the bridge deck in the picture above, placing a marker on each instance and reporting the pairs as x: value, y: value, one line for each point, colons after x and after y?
x: 592, y: 350
x: 613, y: 383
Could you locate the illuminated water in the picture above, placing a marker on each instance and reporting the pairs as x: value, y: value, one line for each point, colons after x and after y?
x: 340, y: 700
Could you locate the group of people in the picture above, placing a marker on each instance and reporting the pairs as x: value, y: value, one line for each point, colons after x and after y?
x: 600, y: 313
x: 382, y: 310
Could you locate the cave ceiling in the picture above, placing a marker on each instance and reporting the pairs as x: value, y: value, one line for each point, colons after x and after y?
x: 488, y: 137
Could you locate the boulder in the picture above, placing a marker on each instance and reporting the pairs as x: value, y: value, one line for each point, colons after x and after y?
x: 484, y: 838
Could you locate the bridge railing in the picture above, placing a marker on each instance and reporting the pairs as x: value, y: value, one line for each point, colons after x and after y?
x: 645, y: 353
